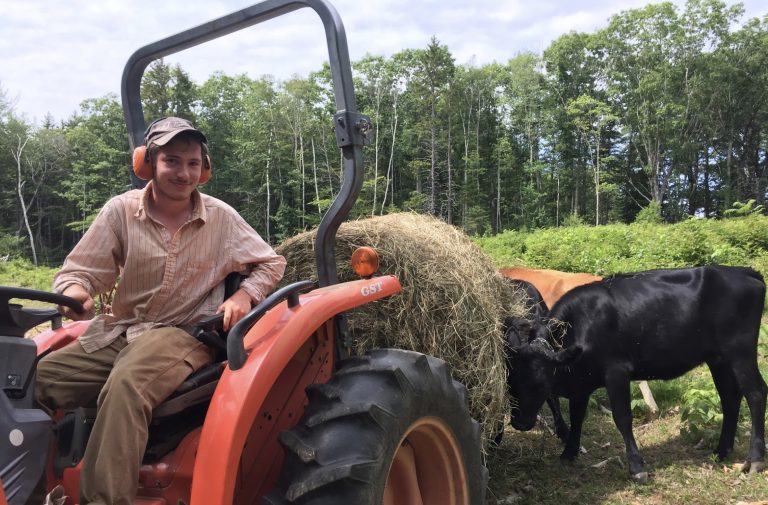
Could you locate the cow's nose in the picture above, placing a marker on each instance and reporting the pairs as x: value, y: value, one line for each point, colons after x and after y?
x: 523, y: 424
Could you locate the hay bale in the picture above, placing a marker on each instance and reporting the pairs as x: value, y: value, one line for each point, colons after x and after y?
x: 451, y: 306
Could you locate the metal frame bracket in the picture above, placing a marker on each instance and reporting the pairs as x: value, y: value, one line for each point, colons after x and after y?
x: 352, y: 129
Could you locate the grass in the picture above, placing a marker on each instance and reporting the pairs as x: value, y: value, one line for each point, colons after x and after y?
x: 526, y: 468
x: 21, y: 273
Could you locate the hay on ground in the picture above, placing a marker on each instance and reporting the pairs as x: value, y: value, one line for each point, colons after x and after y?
x: 451, y: 306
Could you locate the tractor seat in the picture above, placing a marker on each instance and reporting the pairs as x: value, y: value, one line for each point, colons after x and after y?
x: 196, y: 389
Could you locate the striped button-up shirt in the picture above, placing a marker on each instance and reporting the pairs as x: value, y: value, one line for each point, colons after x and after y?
x: 164, y: 280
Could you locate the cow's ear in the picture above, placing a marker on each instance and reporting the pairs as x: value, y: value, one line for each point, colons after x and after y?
x: 517, y: 331
x: 567, y: 355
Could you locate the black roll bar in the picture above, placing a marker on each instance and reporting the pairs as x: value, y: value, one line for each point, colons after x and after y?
x: 350, y: 127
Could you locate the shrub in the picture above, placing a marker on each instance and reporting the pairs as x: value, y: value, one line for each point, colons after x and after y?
x: 650, y: 214
x: 505, y: 249
x: 744, y: 209
x: 21, y: 273
x: 701, y: 415
x: 747, y: 233
x: 572, y: 220
x: 617, y: 248
x: 12, y: 246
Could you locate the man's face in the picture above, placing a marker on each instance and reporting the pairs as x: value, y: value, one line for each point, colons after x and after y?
x: 177, y: 169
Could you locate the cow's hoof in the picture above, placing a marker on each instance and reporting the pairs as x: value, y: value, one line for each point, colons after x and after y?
x: 640, y: 477
x: 753, y: 466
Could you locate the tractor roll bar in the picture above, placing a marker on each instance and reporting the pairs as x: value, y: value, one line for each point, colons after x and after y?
x: 350, y: 127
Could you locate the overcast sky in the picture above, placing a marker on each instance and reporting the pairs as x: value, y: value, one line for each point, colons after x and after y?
x: 56, y: 53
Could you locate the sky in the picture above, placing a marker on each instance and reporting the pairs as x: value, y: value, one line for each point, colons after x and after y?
x: 54, y: 54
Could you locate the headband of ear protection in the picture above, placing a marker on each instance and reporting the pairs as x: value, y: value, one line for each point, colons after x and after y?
x: 162, y: 134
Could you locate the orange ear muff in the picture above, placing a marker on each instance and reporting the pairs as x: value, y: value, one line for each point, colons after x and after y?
x: 142, y: 165
x: 205, y: 173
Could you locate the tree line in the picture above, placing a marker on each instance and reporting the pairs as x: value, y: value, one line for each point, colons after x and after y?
x: 663, y: 110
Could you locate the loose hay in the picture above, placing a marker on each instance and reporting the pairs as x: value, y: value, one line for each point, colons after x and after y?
x: 451, y: 306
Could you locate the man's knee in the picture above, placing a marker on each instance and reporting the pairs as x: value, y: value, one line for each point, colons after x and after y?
x: 122, y: 385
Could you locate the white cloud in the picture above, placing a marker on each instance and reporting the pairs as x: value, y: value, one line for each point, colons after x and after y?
x: 54, y: 54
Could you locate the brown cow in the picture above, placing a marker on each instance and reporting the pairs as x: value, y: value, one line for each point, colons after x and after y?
x: 552, y: 284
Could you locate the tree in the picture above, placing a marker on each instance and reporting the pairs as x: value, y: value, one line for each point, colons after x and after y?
x: 22, y: 138
x: 435, y: 68
x: 167, y: 91
x: 524, y: 96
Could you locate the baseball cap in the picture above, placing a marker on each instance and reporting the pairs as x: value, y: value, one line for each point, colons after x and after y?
x: 163, y: 130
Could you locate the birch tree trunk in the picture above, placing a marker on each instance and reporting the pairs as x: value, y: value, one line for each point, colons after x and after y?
x: 17, y: 154
x: 303, y: 181
x: 314, y: 175
x: 450, y: 172
x: 432, y: 154
x: 390, y: 173
x: 376, y: 150
x: 266, y: 171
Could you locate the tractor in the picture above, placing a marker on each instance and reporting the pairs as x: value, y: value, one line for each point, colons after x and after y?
x: 287, y: 415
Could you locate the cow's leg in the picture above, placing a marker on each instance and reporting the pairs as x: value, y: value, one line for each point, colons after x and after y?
x: 617, y: 386
x: 561, y: 428
x: 754, y: 389
x: 577, y: 408
x: 730, y: 400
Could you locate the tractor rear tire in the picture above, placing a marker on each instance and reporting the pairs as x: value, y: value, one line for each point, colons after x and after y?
x: 390, y: 427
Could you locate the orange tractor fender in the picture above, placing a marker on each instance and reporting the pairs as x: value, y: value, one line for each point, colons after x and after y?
x: 238, y: 400
x: 54, y: 339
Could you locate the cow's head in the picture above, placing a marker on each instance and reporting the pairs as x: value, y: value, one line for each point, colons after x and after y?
x: 531, y: 365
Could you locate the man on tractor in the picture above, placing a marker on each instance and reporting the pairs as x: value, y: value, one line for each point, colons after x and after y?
x: 171, y: 248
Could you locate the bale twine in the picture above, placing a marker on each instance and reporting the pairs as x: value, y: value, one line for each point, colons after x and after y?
x: 451, y: 305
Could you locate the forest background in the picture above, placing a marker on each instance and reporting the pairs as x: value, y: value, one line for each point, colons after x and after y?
x: 662, y: 113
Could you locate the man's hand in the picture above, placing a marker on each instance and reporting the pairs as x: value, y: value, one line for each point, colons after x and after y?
x: 81, y: 295
x: 234, y: 308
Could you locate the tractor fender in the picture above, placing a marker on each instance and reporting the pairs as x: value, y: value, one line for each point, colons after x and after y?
x: 51, y: 340
x: 237, y: 402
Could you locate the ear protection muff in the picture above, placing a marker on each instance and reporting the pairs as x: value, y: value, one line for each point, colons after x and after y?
x: 142, y: 164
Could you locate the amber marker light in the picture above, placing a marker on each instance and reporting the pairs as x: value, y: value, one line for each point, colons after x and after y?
x: 365, y: 261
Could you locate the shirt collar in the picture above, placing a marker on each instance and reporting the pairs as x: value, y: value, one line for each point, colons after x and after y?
x: 199, y: 211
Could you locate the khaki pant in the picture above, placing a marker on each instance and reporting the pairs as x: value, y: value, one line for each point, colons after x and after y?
x: 127, y: 381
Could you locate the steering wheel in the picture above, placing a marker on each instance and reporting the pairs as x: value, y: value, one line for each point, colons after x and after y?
x: 15, y: 320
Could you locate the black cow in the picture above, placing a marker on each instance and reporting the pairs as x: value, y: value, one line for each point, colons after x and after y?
x: 650, y: 325
x: 514, y: 326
